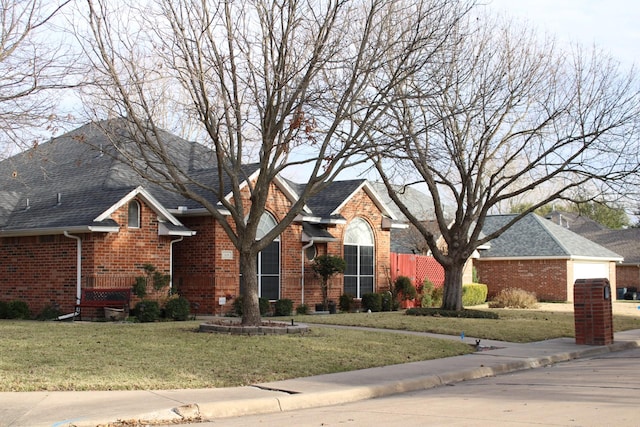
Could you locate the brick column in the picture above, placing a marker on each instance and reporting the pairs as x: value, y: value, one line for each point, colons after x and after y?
x: 593, y: 312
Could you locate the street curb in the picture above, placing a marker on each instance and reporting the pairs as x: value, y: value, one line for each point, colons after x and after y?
x: 216, y: 410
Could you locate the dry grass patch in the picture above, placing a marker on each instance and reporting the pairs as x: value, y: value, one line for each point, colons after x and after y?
x: 170, y: 355
x: 512, y: 326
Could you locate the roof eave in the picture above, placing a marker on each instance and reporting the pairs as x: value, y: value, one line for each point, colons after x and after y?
x: 59, y: 230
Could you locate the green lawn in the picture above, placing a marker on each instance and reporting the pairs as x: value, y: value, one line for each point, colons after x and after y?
x: 166, y: 355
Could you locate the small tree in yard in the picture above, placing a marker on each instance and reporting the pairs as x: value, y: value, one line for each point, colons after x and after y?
x: 326, y: 266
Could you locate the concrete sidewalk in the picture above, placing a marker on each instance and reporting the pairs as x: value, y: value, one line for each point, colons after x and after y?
x: 59, y: 409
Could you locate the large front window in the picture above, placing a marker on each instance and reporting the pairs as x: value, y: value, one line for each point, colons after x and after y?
x: 268, y: 261
x: 359, y: 256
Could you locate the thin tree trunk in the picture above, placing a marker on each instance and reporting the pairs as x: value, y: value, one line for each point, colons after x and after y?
x: 452, y: 298
x: 250, y: 304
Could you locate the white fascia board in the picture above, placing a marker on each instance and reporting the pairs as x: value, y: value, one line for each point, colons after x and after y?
x: 532, y: 258
x: 244, y: 184
x: 59, y: 230
x: 162, y: 212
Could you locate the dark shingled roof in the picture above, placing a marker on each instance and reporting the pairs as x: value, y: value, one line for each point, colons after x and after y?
x: 72, y: 179
x: 537, y: 237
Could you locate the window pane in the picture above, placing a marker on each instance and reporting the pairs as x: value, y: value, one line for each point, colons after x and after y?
x: 351, y: 286
x: 351, y: 258
x: 366, y: 260
x: 270, y: 259
x: 270, y: 287
x: 134, y: 215
x: 366, y: 285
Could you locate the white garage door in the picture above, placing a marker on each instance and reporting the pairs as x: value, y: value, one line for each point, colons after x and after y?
x: 590, y: 270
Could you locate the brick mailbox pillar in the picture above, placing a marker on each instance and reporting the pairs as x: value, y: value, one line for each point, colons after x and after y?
x: 592, y: 311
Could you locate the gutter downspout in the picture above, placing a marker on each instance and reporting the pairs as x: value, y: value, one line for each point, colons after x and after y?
x: 171, y: 262
x: 78, y: 270
x: 304, y: 248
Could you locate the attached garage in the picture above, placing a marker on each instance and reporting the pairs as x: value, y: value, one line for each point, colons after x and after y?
x: 541, y: 257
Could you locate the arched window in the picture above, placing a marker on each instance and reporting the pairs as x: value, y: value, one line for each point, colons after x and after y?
x: 134, y: 214
x: 268, y: 261
x: 359, y: 255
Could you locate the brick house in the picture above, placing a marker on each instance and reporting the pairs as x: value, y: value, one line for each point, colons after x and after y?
x: 540, y: 256
x: 73, y: 217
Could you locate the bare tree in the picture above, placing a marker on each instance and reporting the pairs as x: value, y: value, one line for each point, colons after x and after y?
x: 31, y: 63
x: 288, y: 84
x: 507, y: 115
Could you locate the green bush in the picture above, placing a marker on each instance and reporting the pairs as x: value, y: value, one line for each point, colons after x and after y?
x: 177, y: 309
x: 283, y: 307
x: 404, y: 288
x: 372, y: 301
x: 388, y: 302
x: 4, y: 310
x: 147, y: 311
x: 426, y: 300
x: 263, y: 303
x: 474, y: 294
x: 345, y: 303
x: 302, y: 309
x: 14, y: 310
x: 50, y: 312
x: 438, y: 312
x: 514, y: 298
x: 436, y: 297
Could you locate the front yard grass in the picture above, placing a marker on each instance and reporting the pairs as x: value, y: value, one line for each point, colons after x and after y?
x: 518, y: 326
x: 169, y: 355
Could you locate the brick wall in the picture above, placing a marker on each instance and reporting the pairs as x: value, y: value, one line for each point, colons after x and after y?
x: 546, y: 278
x: 628, y: 276
x: 206, y: 266
x: 42, y: 269
x: 39, y: 270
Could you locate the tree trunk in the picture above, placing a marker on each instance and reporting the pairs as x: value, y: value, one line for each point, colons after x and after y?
x: 452, y: 298
x: 250, y: 304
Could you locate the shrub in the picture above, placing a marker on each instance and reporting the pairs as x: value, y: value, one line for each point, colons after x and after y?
x: 404, y: 288
x: 474, y: 294
x: 50, y: 312
x: 426, y: 300
x: 283, y: 307
x: 147, y: 311
x: 4, y: 310
x: 14, y: 310
x: 140, y: 287
x: 388, y: 302
x: 372, y: 301
x: 345, y: 302
x: 438, y: 312
x: 302, y: 309
x: 177, y: 309
x: 263, y: 303
x: 514, y: 298
x: 436, y: 297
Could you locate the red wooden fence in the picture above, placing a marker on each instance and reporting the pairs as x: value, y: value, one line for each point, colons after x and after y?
x: 417, y: 267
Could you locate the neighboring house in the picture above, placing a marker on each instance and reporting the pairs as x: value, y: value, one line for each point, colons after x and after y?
x: 72, y: 217
x: 625, y: 242
x: 540, y: 256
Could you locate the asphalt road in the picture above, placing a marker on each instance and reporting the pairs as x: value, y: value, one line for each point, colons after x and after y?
x: 599, y: 391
